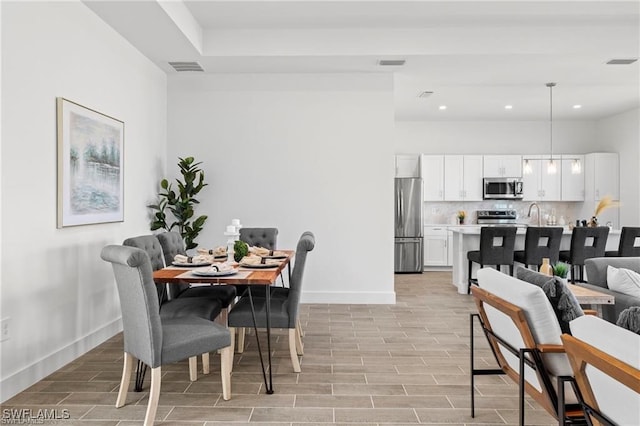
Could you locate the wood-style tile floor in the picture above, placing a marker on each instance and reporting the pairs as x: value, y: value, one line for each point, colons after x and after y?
x: 399, y: 364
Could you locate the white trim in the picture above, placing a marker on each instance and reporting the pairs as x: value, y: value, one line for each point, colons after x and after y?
x: 350, y: 297
x: 22, y: 379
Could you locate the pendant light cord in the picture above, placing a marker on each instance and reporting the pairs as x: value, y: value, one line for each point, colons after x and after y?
x: 550, y: 86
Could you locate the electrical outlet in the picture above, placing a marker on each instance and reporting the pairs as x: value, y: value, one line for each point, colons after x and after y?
x: 4, y: 329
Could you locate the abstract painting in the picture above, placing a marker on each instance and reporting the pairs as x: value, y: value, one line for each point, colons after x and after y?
x: 90, y: 166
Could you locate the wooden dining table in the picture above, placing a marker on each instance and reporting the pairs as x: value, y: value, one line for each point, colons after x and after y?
x: 259, y: 275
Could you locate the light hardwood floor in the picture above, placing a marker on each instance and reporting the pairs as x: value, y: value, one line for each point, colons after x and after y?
x: 399, y: 364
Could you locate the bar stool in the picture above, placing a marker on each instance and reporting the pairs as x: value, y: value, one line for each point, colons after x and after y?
x: 586, y: 242
x: 627, y: 247
x: 539, y: 242
x: 496, y: 248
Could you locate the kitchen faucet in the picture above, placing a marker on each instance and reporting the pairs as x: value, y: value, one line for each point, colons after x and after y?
x: 538, y: 208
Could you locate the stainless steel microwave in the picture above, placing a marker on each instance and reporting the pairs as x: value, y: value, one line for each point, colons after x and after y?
x: 502, y: 189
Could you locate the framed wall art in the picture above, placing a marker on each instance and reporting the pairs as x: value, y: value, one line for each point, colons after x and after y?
x: 90, y: 166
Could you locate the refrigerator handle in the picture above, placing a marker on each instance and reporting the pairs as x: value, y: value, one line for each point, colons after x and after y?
x: 401, y: 205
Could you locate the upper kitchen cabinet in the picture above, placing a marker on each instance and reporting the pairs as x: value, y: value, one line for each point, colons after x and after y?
x: 496, y: 166
x: 537, y: 183
x: 408, y: 165
x: 602, y: 176
x: 433, y: 177
x: 573, y: 169
x: 463, y: 177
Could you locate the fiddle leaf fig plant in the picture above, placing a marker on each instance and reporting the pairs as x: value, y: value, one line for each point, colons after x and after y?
x: 181, y: 203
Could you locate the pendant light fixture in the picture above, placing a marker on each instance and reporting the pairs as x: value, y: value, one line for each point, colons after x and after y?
x: 551, y: 166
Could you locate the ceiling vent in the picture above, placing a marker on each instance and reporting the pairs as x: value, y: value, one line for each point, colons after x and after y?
x: 621, y: 61
x: 186, y: 66
x: 391, y: 62
x: 425, y: 94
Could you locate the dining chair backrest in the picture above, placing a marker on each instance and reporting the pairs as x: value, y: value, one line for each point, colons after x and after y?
x: 260, y: 237
x: 150, y: 245
x: 172, y: 244
x: 141, y: 324
x: 306, y: 243
x: 542, y: 242
x: 497, y: 244
x: 627, y: 246
x: 587, y: 242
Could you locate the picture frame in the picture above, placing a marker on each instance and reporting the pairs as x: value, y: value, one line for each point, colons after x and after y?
x: 90, y: 166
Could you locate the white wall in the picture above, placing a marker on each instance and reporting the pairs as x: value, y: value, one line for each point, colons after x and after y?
x: 621, y: 133
x: 58, y: 293
x: 494, y: 137
x: 297, y: 152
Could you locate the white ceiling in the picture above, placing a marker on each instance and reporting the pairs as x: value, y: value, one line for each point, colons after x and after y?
x: 476, y: 56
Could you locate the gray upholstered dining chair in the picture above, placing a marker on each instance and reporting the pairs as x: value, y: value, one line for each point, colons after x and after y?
x: 172, y: 244
x: 152, y: 339
x: 627, y: 246
x: 284, y: 306
x: 496, y: 249
x: 586, y: 243
x: 260, y: 237
x: 206, y: 307
x: 539, y: 242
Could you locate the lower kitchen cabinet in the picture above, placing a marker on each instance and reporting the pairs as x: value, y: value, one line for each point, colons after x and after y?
x: 437, y: 246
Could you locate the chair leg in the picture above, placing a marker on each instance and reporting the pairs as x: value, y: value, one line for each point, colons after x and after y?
x: 193, y: 368
x: 205, y: 363
x: 292, y: 350
x: 126, y: 377
x: 469, y: 277
x: 154, y: 395
x: 299, y: 344
x: 232, y: 331
x: 511, y: 269
x: 299, y: 326
x: 226, y: 360
x: 241, y: 332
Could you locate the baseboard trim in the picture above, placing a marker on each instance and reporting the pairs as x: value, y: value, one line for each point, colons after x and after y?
x: 355, y: 298
x: 31, y: 374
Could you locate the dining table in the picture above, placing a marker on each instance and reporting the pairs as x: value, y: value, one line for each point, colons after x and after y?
x: 264, y: 274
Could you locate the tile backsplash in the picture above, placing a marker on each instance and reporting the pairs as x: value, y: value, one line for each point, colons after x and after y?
x: 446, y: 212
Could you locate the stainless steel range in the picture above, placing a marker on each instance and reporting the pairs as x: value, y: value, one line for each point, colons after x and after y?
x: 496, y: 217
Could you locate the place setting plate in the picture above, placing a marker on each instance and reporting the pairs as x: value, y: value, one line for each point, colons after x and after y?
x: 259, y: 265
x: 190, y: 265
x: 211, y: 272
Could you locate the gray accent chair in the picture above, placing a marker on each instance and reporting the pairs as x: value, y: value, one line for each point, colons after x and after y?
x: 172, y: 244
x: 586, y: 243
x: 597, y: 280
x: 205, y: 307
x: 284, y: 307
x: 260, y: 237
x: 155, y: 340
x: 496, y: 249
x: 539, y: 243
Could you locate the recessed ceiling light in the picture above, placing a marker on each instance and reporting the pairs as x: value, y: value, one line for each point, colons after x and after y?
x: 577, y: 106
x: 508, y: 107
x: 621, y: 61
x: 442, y: 107
x: 391, y: 62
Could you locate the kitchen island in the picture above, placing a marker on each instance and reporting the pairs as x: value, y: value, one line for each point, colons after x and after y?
x: 467, y: 238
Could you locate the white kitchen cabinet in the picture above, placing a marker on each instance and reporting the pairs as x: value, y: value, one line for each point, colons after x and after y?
x: 496, y: 166
x: 572, y: 178
x: 538, y: 184
x: 601, y: 178
x: 433, y: 177
x: 463, y: 177
x: 408, y: 165
x: 436, y: 246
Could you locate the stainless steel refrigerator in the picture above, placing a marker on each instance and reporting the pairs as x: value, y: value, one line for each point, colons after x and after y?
x: 408, y: 225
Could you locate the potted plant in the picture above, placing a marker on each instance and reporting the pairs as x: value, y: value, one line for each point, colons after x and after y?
x: 461, y: 215
x: 181, y: 203
x: 560, y: 270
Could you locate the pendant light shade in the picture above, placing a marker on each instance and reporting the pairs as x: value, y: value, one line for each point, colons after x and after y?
x: 551, y: 167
